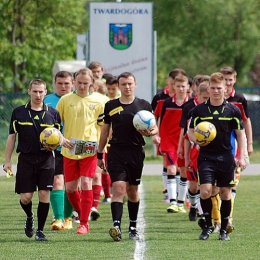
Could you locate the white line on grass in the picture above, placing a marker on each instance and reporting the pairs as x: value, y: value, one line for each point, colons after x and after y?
x: 140, y: 245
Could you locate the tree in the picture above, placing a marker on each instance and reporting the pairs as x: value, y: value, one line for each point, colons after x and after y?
x: 34, y: 34
x: 202, y: 36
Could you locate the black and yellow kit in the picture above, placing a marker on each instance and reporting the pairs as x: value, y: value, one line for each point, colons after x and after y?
x: 28, y: 124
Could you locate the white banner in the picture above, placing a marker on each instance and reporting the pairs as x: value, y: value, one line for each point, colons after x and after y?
x: 121, y: 39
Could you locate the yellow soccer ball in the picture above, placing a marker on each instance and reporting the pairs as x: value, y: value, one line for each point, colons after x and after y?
x: 51, y: 137
x: 205, y: 131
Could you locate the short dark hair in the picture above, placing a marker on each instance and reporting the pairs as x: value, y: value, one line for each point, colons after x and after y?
x: 228, y: 71
x: 174, y: 73
x: 199, y: 79
x: 63, y: 74
x: 126, y: 75
x: 112, y: 80
x: 106, y: 76
x: 37, y: 82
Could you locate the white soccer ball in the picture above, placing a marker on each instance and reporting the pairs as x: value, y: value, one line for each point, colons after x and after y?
x: 144, y: 120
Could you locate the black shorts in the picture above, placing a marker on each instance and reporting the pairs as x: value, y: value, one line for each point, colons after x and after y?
x: 34, y: 170
x: 219, y: 168
x: 126, y: 164
x: 58, y: 163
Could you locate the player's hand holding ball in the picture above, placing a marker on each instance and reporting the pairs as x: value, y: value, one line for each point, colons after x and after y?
x: 144, y: 122
x: 51, y: 138
x: 205, y: 132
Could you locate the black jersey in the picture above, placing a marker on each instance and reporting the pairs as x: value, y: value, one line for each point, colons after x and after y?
x: 186, y: 112
x: 121, y: 117
x: 225, y: 117
x: 28, y: 124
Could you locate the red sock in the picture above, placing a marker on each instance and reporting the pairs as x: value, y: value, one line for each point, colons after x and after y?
x: 96, y: 195
x: 74, y: 199
x: 86, y: 202
x: 106, y: 183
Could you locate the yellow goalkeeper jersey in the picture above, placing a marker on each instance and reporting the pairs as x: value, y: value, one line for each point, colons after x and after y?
x: 82, y: 117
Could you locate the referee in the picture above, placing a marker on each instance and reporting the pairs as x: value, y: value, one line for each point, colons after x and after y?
x: 35, y: 167
x: 216, y: 162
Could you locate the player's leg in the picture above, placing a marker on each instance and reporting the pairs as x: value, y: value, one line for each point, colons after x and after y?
x: 25, y: 185
x: 164, y: 179
x: 119, y: 188
x: 182, y: 187
x: 106, y: 183
x: 96, y: 187
x: 216, y: 202
x: 57, y: 194
x: 225, y: 209
x: 133, y: 207
x: 87, y: 168
x: 171, y: 186
x: 117, y: 172
x: 45, y: 168
x: 134, y: 174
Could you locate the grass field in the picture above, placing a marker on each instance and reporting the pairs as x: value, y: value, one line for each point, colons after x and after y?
x: 166, y: 236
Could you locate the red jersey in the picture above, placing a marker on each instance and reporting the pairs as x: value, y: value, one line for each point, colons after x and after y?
x: 238, y: 100
x: 158, y: 101
x: 170, y: 120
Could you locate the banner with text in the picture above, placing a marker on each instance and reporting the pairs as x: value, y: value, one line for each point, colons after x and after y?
x: 121, y: 39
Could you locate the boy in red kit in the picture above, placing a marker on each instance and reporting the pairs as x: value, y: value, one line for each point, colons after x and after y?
x: 191, y: 151
x: 156, y: 104
x: 169, y: 140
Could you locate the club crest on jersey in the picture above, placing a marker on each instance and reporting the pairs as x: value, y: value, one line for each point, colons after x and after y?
x: 120, y: 35
x: 92, y: 106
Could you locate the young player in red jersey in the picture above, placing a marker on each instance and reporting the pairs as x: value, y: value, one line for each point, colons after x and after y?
x: 156, y: 104
x: 169, y: 139
x: 191, y: 151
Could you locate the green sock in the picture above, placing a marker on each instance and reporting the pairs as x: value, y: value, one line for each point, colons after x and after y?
x: 57, y: 203
x: 67, y: 207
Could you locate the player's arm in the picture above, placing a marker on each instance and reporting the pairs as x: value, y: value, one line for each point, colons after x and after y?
x: 187, y: 147
x: 249, y: 136
x: 241, y: 147
x: 194, y: 140
x: 10, y: 143
x: 181, y: 139
x: 102, y: 143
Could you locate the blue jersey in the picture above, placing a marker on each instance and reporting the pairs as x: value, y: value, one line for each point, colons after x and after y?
x: 52, y: 100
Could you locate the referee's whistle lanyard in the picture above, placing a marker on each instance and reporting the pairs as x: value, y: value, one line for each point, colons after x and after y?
x: 220, y: 112
x: 35, y: 125
x: 38, y: 131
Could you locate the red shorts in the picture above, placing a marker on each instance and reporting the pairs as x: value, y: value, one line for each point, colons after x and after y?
x: 73, y: 169
x: 173, y: 159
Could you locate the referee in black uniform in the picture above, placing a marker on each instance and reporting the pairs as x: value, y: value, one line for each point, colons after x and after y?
x: 35, y: 167
x: 216, y: 162
x: 126, y: 154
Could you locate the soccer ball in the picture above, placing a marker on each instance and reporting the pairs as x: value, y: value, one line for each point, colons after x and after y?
x: 143, y: 120
x: 51, y: 137
x: 205, y: 131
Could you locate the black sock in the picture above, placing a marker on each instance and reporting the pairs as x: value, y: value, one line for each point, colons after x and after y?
x: 225, y: 209
x: 27, y: 208
x: 206, y: 206
x: 133, y: 208
x: 117, y: 212
x: 42, y: 213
